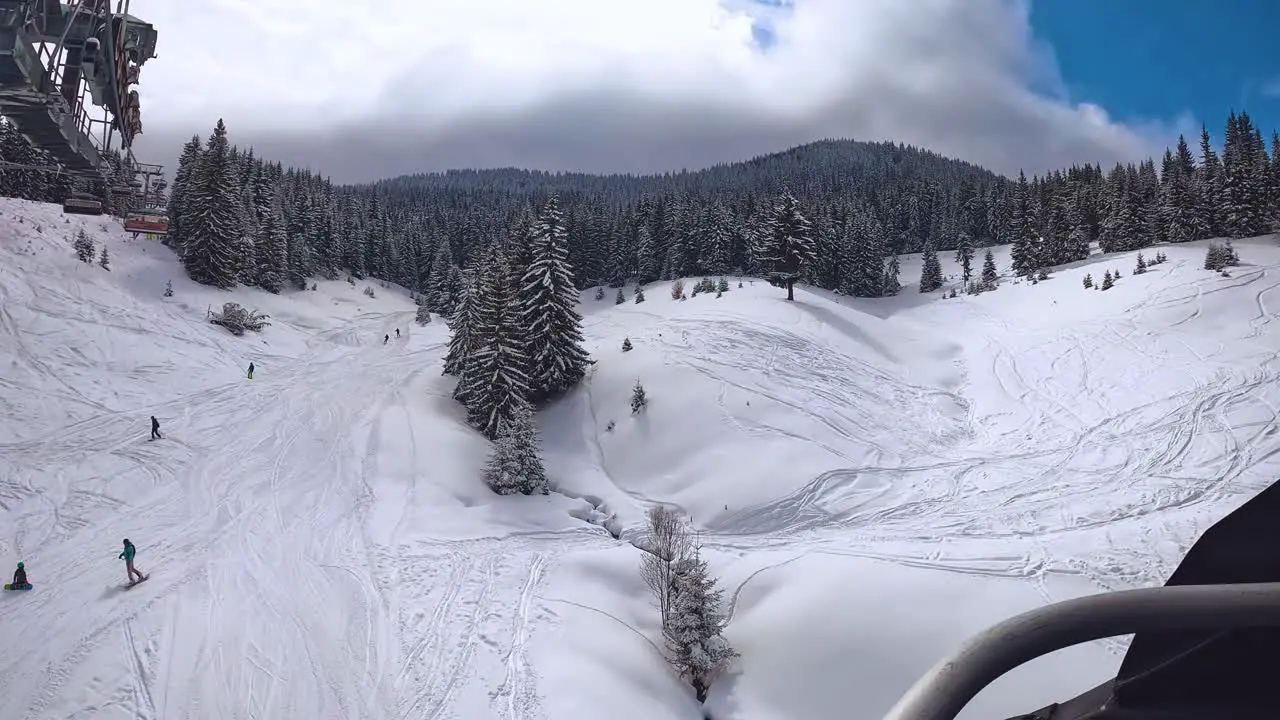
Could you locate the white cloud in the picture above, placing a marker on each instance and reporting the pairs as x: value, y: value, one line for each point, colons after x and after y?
x: 1271, y: 88
x: 368, y: 89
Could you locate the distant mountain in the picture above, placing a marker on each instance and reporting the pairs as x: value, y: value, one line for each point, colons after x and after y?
x: 827, y: 172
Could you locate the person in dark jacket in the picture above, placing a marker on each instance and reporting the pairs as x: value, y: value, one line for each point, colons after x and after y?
x: 155, y: 428
x: 129, y: 552
x: 385, y: 338
x: 19, y: 576
x: 397, y: 332
x: 250, y: 371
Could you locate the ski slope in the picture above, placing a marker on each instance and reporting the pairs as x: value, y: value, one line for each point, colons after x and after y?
x: 874, y: 481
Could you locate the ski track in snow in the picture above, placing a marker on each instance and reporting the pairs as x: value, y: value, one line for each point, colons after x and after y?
x: 269, y: 597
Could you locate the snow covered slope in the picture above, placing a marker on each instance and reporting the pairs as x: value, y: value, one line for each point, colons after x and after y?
x: 874, y: 482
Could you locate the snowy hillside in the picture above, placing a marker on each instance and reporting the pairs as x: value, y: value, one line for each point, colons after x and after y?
x: 874, y: 480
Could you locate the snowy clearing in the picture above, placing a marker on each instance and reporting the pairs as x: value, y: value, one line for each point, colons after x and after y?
x: 875, y: 480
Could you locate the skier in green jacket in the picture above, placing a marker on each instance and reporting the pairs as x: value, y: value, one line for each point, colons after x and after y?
x: 129, y: 551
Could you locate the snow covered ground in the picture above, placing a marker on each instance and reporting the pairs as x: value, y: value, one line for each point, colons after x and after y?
x: 874, y: 482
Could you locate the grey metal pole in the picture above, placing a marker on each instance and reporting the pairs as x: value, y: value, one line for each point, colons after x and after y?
x: 944, y: 691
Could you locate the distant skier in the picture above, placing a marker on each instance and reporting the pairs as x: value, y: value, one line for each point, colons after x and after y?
x: 385, y: 338
x: 155, y: 428
x: 19, y: 577
x: 129, y: 552
x: 250, y: 371
x: 397, y: 333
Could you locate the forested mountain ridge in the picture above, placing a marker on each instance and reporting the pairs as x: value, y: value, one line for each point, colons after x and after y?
x: 827, y: 169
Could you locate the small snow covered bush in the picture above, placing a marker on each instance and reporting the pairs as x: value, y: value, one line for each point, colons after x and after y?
x: 638, y: 398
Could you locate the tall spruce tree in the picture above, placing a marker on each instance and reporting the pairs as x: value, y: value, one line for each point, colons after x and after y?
x: 930, y: 270
x: 548, y: 309
x: 180, y: 192
x: 990, y: 278
x: 211, y: 212
x: 271, y: 258
x: 496, y: 382
x: 964, y: 256
x: 462, y: 324
x: 787, y: 245
x: 892, y: 273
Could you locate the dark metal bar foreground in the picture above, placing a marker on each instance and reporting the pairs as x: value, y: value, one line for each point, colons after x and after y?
x: 945, y: 690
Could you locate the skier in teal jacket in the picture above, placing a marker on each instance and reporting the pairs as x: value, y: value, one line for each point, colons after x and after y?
x: 129, y: 552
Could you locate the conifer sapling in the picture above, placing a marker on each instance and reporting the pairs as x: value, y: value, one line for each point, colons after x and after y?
x: 638, y: 399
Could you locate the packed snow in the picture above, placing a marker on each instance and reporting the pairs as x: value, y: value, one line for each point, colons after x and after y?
x: 873, y: 481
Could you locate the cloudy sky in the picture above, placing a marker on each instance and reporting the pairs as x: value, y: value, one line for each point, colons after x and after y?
x: 362, y: 90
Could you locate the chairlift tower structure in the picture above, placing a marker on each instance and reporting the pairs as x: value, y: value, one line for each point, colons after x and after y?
x: 66, y: 72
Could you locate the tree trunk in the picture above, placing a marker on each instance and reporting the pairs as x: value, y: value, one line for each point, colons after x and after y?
x: 700, y: 688
x: 791, y: 295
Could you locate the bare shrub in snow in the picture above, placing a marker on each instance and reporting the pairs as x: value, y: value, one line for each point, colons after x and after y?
x: 424, y: 315
x: 368, y: 290
x: 665, y: 541
x: 677, y: 289
x: 168, y: 288
x: 237, y: 319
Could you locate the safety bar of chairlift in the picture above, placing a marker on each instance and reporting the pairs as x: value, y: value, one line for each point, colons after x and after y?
x: 945, y: 690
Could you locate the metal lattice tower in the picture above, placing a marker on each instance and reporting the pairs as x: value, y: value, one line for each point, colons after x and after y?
x: 66, y: 72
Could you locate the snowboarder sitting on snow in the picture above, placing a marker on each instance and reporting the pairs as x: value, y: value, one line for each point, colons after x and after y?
x: 155, y: 428
x: 19, y: 576
x: 129, y: 551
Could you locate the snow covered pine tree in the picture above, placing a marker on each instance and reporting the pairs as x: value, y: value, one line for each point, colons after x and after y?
x: 514, y: 467
x: 212, y: 226
x: 787, y: 246
x: 695, y: 621
x: 557, y: 360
